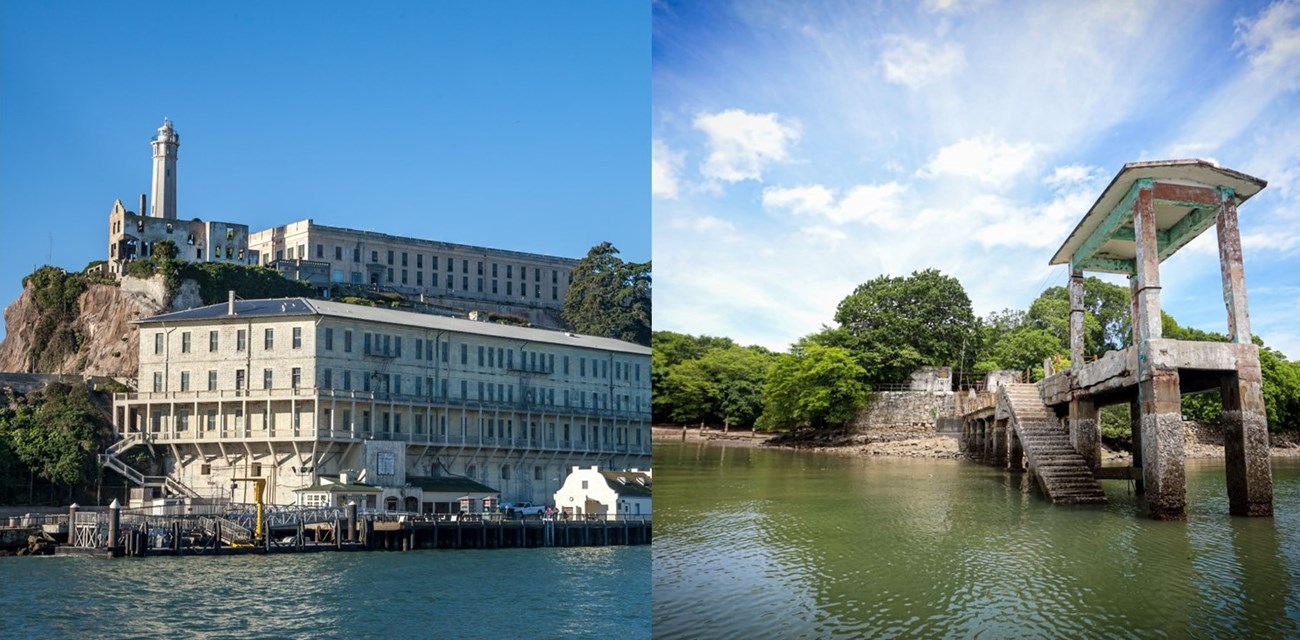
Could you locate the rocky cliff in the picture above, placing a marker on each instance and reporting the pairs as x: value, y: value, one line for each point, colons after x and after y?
x: 105, y: 343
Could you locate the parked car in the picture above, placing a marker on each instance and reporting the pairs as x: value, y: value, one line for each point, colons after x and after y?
x: 523, y: 509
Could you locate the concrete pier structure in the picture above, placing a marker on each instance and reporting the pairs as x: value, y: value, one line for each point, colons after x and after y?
x: 1148, y: 212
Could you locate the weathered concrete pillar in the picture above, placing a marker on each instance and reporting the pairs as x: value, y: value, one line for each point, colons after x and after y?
x: 1135, y: 426
x: 1085, y: 430
x: 1160, y: 403
x: 1076, y: 319
x: 1230, y: 265
x: 1016, y: 453
x: 1147, y: 265
x: 987, y: 450
x: 1000, y: 444
x: 1245, y: 439
x: 1162, y: 445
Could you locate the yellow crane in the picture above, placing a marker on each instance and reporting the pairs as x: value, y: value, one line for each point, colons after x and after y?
x: 259, y: 488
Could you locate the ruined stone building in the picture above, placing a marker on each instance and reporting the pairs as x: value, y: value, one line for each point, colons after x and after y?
x: 297, y: 391
x: 463, y: 277
x: 134, y: 234
x: 460, y: 278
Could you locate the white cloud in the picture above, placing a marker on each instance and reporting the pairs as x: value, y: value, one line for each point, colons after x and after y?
x: 1276, y: 240
x: 742, y: 144
x: 1272, y: 42
x: 987, y: 159
x: 813, y: 199
x: 1073, y: 176
x: 822, y: 233
x: 877, y: 204
x: 916, y: 63
x: 665, y: 170
x: 702, y: 224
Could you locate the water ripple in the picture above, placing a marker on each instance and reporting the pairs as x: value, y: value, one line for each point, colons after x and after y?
x: 809, y: 547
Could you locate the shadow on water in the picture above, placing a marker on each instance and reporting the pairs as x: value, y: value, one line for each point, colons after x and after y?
x: 787, y: 544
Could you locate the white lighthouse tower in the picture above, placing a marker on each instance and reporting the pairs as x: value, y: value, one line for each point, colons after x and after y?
x: 165, y: 145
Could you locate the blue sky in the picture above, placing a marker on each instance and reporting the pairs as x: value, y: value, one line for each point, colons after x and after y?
x: 514, y: 125
x: 802, y: 149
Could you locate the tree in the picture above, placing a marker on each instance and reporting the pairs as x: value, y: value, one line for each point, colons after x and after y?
x: 707, y: 379
x: 899, y: 324
x: 55, y: 433
x: 816, y: 386
x: 1026, y: 348
x: 609, y: 297
x: 1105, y: 322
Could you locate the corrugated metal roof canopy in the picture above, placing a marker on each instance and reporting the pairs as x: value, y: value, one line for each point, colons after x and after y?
x: 1183, y: 172
x: 304, y: 307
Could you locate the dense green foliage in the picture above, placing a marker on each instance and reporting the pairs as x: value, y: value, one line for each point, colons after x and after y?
x: 895, y: 325
x: 890, y: 326
x: 55, y: 295
x: 814, y: 386
x: 609, y: 297
x: 710, y: 380
x: 49, y: 440
x: 215, y: 279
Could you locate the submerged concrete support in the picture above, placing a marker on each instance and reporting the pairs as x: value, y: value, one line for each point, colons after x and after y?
x: 1245, y: 443
x: 999, y: 428
x: 1085, y: 430
x: 1162, y: 446
x: 988, y: 440
x: 1016, y: 451
x: 1135, y: 425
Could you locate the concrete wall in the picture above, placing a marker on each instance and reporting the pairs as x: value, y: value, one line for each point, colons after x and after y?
x: 903, y: 411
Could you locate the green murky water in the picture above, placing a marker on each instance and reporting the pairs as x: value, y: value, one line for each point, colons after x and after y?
x: 759, y: 543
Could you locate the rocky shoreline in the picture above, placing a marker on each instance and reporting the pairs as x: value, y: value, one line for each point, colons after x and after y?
x: 1203, y: 442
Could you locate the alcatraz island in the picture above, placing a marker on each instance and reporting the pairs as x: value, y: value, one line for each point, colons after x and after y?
x: 206, y: 388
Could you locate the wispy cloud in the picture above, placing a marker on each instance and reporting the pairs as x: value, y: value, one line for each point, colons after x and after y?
x: 968, y: 136
x: 742, y: 144
x: 916, y: 63
x: 989, y: 160
x: 877, y: 204
x: 665, y: 170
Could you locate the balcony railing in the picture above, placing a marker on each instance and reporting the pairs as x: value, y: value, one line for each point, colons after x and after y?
x: 349, y: 396
x: 174, y: 434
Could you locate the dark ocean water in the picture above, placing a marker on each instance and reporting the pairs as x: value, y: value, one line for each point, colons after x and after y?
x: 575, y: 592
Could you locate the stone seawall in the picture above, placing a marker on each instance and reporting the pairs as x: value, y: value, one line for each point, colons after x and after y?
x: 902, y: 414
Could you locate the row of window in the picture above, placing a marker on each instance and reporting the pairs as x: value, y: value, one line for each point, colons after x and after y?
x: 393, y: 258
x: 424, y: 387
x: 390, y: 346
x: 510, y: 289
x: 214, y: 340
x: 391, y: 422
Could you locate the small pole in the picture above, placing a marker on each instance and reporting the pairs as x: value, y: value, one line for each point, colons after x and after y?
x: 72, y: 524
x: 114, y: 520
x: 352, y: 521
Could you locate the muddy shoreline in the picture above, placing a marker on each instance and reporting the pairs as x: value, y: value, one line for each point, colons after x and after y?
x: 1198, y: 446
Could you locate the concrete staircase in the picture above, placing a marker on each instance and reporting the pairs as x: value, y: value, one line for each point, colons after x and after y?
x: 109, y: 460
x: 1062, y: 473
